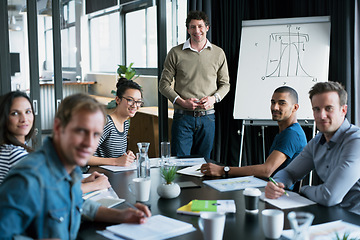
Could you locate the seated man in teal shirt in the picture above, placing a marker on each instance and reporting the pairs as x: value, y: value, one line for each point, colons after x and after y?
x: 288, y: 143
x: 334, y: 153
x: 41, y: 196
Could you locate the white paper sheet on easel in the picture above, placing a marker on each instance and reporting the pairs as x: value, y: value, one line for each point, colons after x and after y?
x: 294, y: 200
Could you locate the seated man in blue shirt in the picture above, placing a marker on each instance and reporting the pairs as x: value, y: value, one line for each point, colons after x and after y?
x: 288, y: 143
x: 334, y: 153
x: 41, y: 196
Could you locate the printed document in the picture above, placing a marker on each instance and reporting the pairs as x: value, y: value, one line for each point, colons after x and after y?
x: 232, y: 184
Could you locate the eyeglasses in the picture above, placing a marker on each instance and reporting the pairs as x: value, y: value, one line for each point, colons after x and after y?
x: 131, y: 102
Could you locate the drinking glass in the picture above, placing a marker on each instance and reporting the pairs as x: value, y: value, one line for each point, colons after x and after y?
x: 165, y: 153
x: 300, y: 223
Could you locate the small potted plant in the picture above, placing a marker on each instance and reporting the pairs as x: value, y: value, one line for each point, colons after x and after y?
x: 346, y: 236
x: 168, y: 189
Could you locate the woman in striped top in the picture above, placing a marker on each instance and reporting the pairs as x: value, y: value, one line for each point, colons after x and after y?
x: 112, y: 148
x: 16, y: 129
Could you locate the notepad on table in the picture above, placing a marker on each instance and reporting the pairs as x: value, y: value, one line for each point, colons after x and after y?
x: 191, y: 171
x: 156, y: 227
x: 196, y: 207
x: 294, y: 200
x: 106, y: 197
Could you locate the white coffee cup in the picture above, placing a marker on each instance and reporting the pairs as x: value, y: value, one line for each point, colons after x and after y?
x: 272, y: 223
x: 251, y: 197
x: 140, y: 187
x: 212, y: 225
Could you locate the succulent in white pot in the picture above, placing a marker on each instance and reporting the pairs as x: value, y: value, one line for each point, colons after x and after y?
x: 168, y: 189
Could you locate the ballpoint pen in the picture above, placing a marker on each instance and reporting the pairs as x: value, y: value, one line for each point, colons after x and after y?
x: 133, y: 207
x: 274, y: 182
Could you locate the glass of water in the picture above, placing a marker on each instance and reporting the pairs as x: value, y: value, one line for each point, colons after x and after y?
x: 165, y: 153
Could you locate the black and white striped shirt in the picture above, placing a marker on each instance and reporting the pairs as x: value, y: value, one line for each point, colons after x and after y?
x: 112, y: 143
x: 9, y: 156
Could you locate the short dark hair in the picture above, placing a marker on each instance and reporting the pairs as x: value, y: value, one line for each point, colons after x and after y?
x: 6, y: 137
x: 197, y: 15
x: 75, y: 103
x: 124, y: 84
x: 291, y: 91
x: 323, y: 87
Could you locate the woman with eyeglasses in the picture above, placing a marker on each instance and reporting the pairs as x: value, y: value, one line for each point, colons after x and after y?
x: 112, y: 148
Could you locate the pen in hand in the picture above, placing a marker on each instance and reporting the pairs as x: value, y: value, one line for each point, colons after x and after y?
x: 274, y: 182
x: 133, y: 207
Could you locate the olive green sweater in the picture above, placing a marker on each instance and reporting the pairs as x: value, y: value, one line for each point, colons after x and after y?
x: 196, y: 74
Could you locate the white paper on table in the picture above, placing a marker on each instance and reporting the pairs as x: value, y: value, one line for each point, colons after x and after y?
x: 328, y: 231
x: 119, y: 168
x: 232, y: 184
x: 192, y: 171
x: 85, y: 175
x: 294, y: 200
x: 106, y: 197
x: 180, y: 162
x: 156, y: 227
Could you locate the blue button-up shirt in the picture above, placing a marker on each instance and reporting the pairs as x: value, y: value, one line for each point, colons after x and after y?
x: 337, y: 163
x: 40, y: 199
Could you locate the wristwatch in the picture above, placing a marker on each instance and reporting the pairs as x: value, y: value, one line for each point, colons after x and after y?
x: 226, y: 170
x: 217, y: 99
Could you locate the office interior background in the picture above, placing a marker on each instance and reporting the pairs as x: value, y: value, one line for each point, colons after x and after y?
x: 53, y: 48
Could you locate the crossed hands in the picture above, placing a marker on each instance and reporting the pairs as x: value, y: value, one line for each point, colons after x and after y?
x: 193, y: 103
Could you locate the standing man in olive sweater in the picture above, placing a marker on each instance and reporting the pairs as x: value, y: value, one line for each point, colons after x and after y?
x: 201, y: 77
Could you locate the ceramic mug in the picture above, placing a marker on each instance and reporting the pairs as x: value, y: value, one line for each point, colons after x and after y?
x: 272, y: 223
x: 212, y: 225
x: 140, y: 187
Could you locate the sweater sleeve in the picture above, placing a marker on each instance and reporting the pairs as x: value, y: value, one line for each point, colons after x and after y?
x: 167, y: 77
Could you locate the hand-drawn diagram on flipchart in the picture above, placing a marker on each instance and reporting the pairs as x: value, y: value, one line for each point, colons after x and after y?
x: 285, y: 53
x: 276, y: 52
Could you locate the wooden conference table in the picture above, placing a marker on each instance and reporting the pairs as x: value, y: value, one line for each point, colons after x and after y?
x: 239, y: 225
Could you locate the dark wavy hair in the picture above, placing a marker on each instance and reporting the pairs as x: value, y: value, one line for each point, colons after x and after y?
x: 6, y: 137
x: 197, y: 15
x: 124, y: 84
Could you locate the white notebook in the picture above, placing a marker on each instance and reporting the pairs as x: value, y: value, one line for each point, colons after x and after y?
x: 156, y: 227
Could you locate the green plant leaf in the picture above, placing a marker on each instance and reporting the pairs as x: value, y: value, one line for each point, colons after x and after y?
x: 168, y: 173
x: 111, y: 104
x: 130, y: 75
